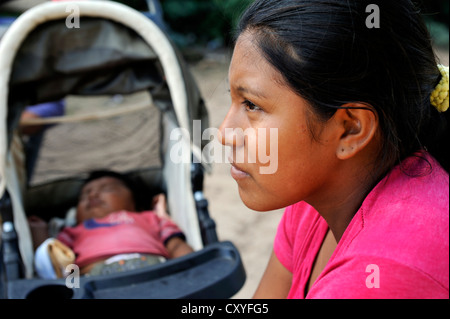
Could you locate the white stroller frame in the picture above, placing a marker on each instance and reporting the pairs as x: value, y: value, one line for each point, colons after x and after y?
x: 177, y: 176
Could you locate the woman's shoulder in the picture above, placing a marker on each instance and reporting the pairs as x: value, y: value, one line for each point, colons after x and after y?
x: 405, y: 221
x: 418, y: 187
x: 374, y: 277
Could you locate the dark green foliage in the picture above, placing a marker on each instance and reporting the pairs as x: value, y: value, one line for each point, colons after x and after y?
x: 203, y: 21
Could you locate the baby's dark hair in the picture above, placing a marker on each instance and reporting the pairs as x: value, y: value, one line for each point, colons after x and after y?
x: 135, y: 185
x: 328, y: 55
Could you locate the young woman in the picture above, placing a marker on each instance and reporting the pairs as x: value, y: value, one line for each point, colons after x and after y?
x: 361, y: 165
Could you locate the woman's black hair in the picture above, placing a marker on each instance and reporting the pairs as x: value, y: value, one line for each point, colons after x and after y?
x: 330, y: 54
x: 135, y: 185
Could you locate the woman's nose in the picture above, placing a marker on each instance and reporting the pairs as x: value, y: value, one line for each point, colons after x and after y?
x: 229, y: 130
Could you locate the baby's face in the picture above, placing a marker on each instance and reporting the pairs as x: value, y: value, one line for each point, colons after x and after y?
x: 103, y: 196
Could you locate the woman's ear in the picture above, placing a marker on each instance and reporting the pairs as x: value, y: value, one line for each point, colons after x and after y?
x: 358, y: 126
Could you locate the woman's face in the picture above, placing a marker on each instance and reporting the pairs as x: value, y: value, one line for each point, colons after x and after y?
x: 103, y: 196
x: 274, y: 119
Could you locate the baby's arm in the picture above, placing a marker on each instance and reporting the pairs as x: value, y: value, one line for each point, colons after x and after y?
x: 38, y: 229
x: 177, y: 247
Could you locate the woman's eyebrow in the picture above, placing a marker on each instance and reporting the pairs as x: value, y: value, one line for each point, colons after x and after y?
x: 251, y: 92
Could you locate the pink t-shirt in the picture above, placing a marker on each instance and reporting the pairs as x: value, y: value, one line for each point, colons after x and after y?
x: 395, y: 247
x: 119, y: 233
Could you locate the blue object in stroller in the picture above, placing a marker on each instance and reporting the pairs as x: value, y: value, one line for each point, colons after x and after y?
x: 126, y: 90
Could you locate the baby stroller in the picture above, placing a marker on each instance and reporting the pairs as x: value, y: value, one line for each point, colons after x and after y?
x: 127, y: 91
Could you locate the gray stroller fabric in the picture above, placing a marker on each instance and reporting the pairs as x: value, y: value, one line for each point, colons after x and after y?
x: 101, y: 58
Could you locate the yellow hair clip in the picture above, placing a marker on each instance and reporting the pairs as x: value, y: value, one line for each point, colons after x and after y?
x: 439, y: 97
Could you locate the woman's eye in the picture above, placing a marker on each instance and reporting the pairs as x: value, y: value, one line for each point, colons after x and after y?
x: 251, y: 106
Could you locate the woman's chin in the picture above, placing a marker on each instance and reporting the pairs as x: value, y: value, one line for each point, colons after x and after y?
x: 257, y: 204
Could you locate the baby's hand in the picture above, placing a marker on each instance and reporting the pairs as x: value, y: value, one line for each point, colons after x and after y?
x: 160, y: 206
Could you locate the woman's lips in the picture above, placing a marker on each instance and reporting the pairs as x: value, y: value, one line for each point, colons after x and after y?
x: 238, y: 173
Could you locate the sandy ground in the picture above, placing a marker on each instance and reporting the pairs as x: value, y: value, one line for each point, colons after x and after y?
x: 252, y: 232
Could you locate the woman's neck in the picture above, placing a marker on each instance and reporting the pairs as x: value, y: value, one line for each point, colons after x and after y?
x: 344, y: 199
